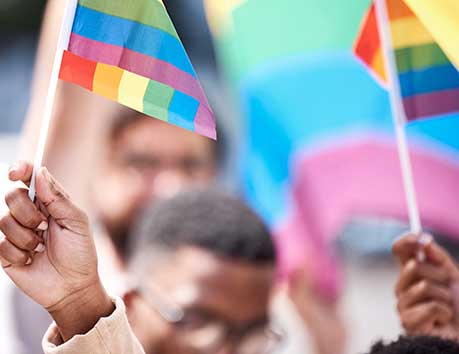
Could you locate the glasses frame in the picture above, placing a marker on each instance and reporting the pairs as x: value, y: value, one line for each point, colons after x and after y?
x: 173, y: 314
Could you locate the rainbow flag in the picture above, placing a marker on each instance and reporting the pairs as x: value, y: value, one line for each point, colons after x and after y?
x: 129, y: 52
x: 429, y: 82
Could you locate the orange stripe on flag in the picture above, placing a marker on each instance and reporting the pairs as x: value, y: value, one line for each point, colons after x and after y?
x: 107, y: 80
x: 397, y: 9
x: 379, y: 67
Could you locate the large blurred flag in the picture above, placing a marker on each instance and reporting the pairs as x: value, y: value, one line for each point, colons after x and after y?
x: 319, y: 144
x: 129, y: 52
x: 429, y: 82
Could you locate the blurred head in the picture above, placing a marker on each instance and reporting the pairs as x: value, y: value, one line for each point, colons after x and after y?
x: 148, y: 159
x: 416, y: 345
x: 204, y: 267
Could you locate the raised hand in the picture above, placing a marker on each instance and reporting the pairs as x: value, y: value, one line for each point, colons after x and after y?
x: 426, y: 290
x: 49, y: 253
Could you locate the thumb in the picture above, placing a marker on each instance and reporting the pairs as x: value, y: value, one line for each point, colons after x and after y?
x: 58, y: 204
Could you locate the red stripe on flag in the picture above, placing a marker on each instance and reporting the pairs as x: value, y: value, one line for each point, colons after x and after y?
x: 77, y: 70
x: 368, y: 42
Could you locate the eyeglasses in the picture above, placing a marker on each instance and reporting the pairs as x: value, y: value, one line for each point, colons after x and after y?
x: 207, y: 333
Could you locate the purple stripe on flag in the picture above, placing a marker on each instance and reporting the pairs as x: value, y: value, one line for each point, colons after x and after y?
x: 139, y: 64
x: 204, y: 123
x: 432, y: 104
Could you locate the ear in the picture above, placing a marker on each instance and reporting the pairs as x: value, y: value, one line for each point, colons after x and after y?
x: 129, y: 298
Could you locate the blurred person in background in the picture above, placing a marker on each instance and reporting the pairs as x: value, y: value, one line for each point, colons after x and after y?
x: 202, y: 266
x: 112, y: 161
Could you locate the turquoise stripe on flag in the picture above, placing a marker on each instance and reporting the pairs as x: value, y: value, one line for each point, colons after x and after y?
x: 429, y: 80
x: 131, y: 35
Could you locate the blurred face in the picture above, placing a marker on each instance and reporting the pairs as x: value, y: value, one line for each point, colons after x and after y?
x: 148, y: 160
x: 220, y: 307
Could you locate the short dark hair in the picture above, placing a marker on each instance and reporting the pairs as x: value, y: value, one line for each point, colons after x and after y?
x: 207, y: 219
x: 416, y: 345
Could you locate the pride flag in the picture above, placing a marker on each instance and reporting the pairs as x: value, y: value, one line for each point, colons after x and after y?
x: 317, y: 134
x: 129, y: 52
x: 429, y: 82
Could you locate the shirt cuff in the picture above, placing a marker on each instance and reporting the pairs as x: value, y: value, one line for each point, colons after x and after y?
x: 92, y: 342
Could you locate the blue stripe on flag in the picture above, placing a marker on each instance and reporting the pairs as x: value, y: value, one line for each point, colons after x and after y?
x: 182, y: 110
x: 131, y: 35
x: 433, y: 79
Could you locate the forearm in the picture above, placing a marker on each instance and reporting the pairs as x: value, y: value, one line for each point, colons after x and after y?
x: 111, y: 335
x: 81, y: 311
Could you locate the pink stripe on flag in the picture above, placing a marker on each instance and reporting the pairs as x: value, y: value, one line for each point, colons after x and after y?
x: 432, y: 104
x: 204, y: 123
x: 139, y: 64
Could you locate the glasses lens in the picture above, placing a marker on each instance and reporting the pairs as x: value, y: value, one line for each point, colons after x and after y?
x: 205, y: 339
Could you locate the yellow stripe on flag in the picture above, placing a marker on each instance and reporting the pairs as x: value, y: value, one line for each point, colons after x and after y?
x: 409, y: 32
x: 441, y: 17
x: 132, y: 90
x: 219, y: 14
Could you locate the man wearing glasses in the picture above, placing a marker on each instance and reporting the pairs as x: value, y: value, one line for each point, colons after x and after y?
x: 204, y: 266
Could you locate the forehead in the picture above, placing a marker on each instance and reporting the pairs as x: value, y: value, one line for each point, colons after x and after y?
x: 147, y: 134
x: 238, y: 291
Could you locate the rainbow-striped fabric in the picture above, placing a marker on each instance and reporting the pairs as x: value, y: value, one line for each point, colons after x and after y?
x: 429, y: 81
x: 129, y: 52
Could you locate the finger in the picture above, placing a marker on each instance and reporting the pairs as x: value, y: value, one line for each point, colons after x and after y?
x: 413, y: 272
x: 14, y: 255
x: 21, y: 171
x: 438, y: 255
x: 405, y: 248
x: 23, y: 238
x: 59, y: 205
x: 25, y: 211
x: 424, y: 291
x: 426, y: 315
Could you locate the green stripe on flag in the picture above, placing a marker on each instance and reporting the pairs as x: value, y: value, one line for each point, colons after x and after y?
x: 157, y: 100
x: 420, y: 57
x: 148, y: 12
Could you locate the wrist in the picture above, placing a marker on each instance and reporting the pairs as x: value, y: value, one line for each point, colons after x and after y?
x: 79, y: 313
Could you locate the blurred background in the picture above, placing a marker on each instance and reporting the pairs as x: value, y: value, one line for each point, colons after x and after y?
x: 307, y: 140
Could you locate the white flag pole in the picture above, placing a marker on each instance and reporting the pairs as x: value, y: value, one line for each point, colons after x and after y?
x: 62, y: 44
x: 398, y: 114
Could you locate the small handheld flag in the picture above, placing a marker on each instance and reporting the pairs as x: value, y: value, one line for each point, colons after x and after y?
x: 129, y: 52
x: 428, y: 80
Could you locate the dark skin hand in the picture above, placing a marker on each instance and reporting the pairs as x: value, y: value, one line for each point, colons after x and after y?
x: 49, y: 253
x: 425, y: 290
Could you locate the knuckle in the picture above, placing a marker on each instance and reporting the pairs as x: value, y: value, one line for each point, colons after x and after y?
x: 4, y: 222
x: 433, y: 308
x: 31, y: 219
x: 30, y: 243
x: 22, y: 258
x: 424, y: 287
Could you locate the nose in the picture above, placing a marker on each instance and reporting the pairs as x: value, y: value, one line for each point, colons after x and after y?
x: 167, y: 184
